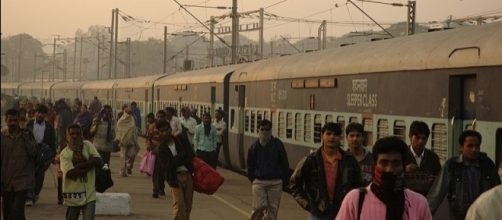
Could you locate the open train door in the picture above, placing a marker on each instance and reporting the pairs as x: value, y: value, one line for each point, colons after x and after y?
x: 462, y: 109
x: 241, y: 123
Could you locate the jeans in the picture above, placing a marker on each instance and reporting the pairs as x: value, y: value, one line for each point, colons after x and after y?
x: 88, y: 211
x: 39, y: 183
x: 13, y: 205
x: 267, y: 193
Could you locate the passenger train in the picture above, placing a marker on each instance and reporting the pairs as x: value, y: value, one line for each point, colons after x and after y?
x: 449, y: 79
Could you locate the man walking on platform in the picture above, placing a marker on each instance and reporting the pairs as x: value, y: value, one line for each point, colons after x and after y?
x: 422, y: 165
x: 322, y: 179
x: 464, y: 177
x: 45, y: 136
x: 17, y: 174
x: 78, y: 162
x: 205, y: 141
x: 176, y: 154
x: 354, y: 133
x: 268, y: 170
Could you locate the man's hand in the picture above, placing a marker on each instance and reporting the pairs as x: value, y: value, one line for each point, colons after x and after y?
x: 411, y: 167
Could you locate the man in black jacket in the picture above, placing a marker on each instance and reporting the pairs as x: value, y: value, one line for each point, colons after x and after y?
x: 464, y: 177
x: 422, y: 165
x: 268, y: 169
x: 322, y: 179
x: 45, y: 136
x: 176, y: 155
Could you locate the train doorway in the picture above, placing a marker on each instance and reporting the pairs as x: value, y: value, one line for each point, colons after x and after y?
x: 498, y: 147
x: 462, y: 108
x: 241, y: 123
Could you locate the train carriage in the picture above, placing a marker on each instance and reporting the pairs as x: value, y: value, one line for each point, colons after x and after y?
x: 10, y: 88
x: 103, y: 90
x: 68, y: 91
x: 203, y: 90
x: 39, y: 90
x: 137, y: 89
x: 445, y: 79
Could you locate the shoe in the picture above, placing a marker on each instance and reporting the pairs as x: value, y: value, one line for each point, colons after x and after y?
x: 162, y: 193
x: 129, y: 171
x: 155, y: 196
x: 28, y: 203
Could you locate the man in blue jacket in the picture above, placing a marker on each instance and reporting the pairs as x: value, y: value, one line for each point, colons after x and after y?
x: 268, y: 169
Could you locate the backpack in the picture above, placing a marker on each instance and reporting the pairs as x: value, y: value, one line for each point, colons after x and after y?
x: 362, y: 194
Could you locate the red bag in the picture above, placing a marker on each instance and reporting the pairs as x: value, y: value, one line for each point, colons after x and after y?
x: 205, y: 179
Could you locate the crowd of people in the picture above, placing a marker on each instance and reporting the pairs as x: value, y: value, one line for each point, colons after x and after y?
x: 392, y: 181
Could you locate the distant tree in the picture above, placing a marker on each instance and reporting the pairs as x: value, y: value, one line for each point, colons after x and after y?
x: 18, y: 56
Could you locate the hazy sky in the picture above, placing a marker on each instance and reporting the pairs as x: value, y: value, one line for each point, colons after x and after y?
x: 43, y: 18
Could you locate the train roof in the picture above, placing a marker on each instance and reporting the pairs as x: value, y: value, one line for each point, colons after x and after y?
x: 456, y: 48
x: 216, y: 74
x: 99, y: 84
x: 138, y: 82
x: 68, y: 85
x: 37, y: 85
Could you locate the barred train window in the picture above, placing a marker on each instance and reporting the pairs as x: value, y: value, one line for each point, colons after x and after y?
x: 232, y: 118
x: 317, y: 128
x: 259, y: 118
x: 266, y: 115
x: 253, y: 120
x: 289, y: 125
x: 341, y: 121
x: 329, y: 118
x: 281, y: 125
x: 439, y: 141
x: 383, y: 128
x: 246, y: 122
x: 400, y: 129
x: 298, y: 127
x: 368, y: 132
x: 353, y: 119
x: 307, y: 131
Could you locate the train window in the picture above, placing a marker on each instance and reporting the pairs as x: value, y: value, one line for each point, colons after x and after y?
x: 353, y: 120
x: 383, y: 128
x: 232, y: 118
x: 253, y: 121
x: 341, y: 121
x: 298, y: 127
x: 329, y: 118
x: 281, y: 125
x: 289, y: 125
x: 317, y: 128
x: 439, y: 140
x: 246, y: 121
x: 307, y: 131
x: 327, y: 83
x: 259, y: 118
x: 298, y: 84
x: 266, y: 115
x: 368, y: 131
x: 312, y: 83
x: 400, y: 129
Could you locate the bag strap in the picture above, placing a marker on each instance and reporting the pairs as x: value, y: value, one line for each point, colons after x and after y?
x: 362, y: 194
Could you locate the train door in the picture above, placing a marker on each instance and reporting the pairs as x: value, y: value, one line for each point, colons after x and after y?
x: 498, y: 147
x: 240, y: 123
x: 226, y: 118
x: 213, y: 100
x: 462, y: 104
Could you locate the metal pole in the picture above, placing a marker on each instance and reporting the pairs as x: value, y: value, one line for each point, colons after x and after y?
x: 19, y: 56
x: 112, y: 28
x: 116, y: 40
x: 165, y: 50
x: 65, y: 63
x: 211, y: 42
x: 99, y: 56
x: 235, y: 31
x: 411, y: 17
x: 74, y: 59
x: 261, y: 33
x: 80, y: 58
x: 128, y: 57
x: 51, y: 76
x: 35, y: 66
